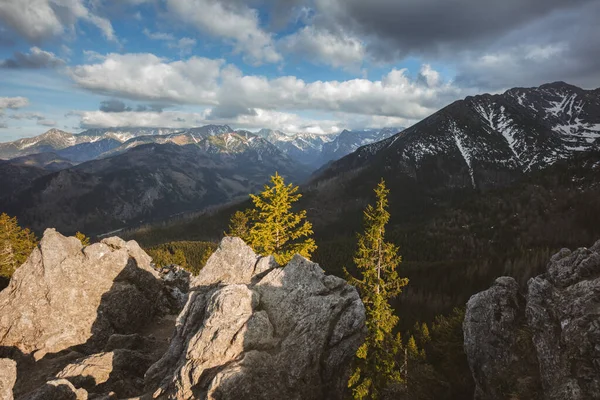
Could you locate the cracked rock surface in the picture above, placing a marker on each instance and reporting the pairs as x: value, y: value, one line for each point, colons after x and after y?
x: 253, y: 330
x: 68, y: 295
x: 559, y: 321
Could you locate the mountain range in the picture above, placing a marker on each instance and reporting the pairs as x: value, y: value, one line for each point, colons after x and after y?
x: 487, y: 140
x: 309, y: 149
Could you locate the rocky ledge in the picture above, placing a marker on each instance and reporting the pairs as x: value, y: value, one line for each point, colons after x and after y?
x: 544, y: 344
x: 99, y: 322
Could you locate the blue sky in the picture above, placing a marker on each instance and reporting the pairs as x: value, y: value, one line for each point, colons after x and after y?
x: 296, y: 65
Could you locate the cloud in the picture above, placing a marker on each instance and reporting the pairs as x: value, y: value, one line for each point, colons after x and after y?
x: 206, y: 82
x: 561, y: 47
x: 432, y: 26
x: 158, y: 80
x: 33, y: 116
x: 118, y: 106
x: 13, y: 103
x: 232, y: 21
x: 335, y: 49
x: 113, y: 105
x: 40, y: 20
x: 36, y: 58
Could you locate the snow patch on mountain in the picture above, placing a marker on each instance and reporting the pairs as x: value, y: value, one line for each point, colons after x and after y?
x: 460, y: 144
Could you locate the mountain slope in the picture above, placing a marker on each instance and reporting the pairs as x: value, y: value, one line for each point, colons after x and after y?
x: 487, y: 140
x: 148, y: 182
x: 17, y: 177
x: 49, y: 161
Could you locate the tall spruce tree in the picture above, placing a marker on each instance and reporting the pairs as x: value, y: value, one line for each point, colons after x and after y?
x: 273, y: 228
x: 376, y: 366
x: 16, y: 244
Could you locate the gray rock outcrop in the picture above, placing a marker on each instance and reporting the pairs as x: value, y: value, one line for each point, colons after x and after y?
x: 68, y: 295
x: 561, y: 328
x: 8, y: 377
x: 255, y: 331
x: 493, y: 316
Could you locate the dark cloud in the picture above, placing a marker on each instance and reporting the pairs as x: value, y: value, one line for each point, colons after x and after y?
x: 32, y: 116
x: 230, y: 111
x: 564, y: 46
x: 431, y: 26
x: 35, y: 59
x: 114, y: 105
x: 476, y: 37
x: 117, y: 106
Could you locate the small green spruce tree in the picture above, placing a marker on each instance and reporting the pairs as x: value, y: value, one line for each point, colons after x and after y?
x: 376, y: 366
x: 239, y: 225
x: 16, y: 244
x: 274, y: 229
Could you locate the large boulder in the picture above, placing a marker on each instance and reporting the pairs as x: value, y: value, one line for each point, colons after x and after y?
x: 67, y: 295
x: 551, y: 353
x: 253, y: 330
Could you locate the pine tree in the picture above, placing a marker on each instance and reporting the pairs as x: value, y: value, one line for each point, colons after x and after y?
x: 239, y: 225
x: 16, y: 244
x: 274, y: 228
x: 85, y: 241
x: 376, y: 367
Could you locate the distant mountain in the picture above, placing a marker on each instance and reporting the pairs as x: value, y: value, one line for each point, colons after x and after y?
x: 348, y: 141
x: 487, y: 140
x: 124, y: 134
x: 50, y: 141
x: 88, y: 151
x: 306, y: 148
x: 148, y: 182
x: 309, y: 149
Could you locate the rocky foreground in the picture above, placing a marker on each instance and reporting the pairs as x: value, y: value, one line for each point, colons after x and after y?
x: 544, y: 344
x: 99, y: 322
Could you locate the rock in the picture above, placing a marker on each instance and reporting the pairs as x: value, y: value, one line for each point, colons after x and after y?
x: 66, y: 295
x: 250, y: 330
x: 558, y: 341
x: 8, y: 377
x: 120, y: 371
x: 176, y: 287
x: 491, y: 317
x: 60, y: 389
x: 563, y: 313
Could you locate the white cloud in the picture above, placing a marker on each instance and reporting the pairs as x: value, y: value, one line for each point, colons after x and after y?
x: 203, y: 81
x: 335, y: 49
x: 148, y: 77
x: 40, y: 20
x: 13, y: 102
x: 231, y: 21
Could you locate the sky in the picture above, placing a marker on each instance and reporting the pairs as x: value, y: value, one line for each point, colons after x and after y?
x: 295, y: 65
